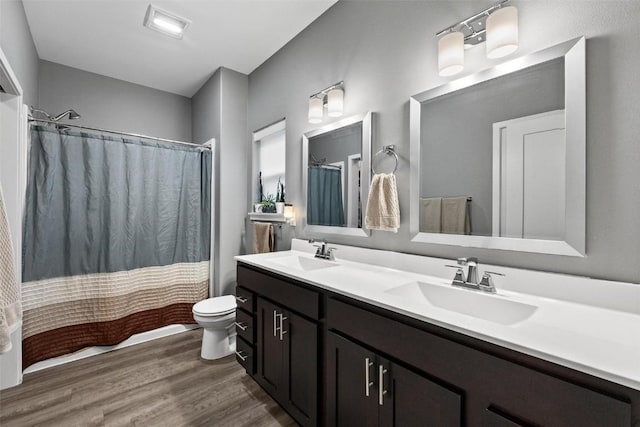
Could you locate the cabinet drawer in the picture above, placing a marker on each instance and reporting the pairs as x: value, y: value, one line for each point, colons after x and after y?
x: 281, y: 291
x: 244, y: 299
x: 245, y: 355
x: 244, y: 326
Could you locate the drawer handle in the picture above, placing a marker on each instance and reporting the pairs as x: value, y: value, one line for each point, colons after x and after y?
x: 241, y: 299
x: 381, y: 390
x: 367, y: 381
x: 239, y: 354
x: 241, y: 326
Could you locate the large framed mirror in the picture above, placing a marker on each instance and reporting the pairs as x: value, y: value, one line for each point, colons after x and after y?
x: 498, y: 158
x: 336, y: 164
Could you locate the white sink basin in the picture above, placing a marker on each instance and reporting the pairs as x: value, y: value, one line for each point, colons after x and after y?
x: 471, y: 303
x: 301, y: 263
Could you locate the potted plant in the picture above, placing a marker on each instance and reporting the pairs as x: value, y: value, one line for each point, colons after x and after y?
x: 268, y: 203
x: 280, y: 197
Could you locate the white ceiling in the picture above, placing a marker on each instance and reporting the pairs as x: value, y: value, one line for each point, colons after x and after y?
x: 108, y: 38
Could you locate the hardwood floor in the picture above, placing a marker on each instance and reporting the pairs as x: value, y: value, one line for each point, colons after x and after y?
x: 159, y: 383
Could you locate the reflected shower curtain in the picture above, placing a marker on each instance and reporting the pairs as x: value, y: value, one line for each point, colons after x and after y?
x: 116, y: 239
x: 324, y: 197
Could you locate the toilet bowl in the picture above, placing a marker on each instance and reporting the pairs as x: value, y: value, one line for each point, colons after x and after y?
x: 217, y: 316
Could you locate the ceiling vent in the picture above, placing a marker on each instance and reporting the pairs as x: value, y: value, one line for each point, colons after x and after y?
x: 165, y: 22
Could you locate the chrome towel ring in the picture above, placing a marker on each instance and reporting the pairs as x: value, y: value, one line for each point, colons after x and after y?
x: 387, y: 149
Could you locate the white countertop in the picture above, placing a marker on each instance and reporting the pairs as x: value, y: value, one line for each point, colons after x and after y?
x: 599, y: 335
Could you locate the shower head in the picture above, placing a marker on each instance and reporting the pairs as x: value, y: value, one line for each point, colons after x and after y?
x: 72, y: 115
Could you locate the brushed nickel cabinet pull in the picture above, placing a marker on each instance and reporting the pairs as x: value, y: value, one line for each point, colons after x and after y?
x: 241, y: 299
x: 282, y: 331
x: 381, y: 390
x: 239, y: 354
x: 275, y: 323
x: 241, y: 326
x: 367, y: 381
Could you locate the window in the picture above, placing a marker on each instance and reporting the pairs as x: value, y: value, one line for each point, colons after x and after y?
x: 269, y: 154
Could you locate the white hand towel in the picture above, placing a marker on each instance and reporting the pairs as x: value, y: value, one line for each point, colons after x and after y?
x: 10, y: 310
x: 383, y: 209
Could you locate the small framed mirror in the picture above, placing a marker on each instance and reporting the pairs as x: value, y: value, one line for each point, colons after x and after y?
x: 336, y: 162
x: 498, y: 158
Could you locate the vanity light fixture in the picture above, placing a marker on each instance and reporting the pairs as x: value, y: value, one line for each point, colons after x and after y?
x: 502, y: 32
x: 315, y: 110
x: 497, y: 25
x: 332, y: 97
x: 451, y: 54
x: 165, y: 22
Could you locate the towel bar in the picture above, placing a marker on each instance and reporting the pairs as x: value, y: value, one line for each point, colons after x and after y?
x: 387, y: 149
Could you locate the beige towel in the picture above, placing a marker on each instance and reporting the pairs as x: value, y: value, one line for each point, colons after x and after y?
x: 263, y: 239
x: 430, y: 214
x: 383, y: 209
x: 10, y: 310
x: 455, y: 215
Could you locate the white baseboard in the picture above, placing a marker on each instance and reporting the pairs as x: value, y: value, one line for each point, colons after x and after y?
x: 96, y: 350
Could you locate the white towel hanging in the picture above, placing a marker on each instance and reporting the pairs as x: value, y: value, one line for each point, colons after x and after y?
x: 383, y: 209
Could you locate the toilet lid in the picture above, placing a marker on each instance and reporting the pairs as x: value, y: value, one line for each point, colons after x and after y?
x: 215, y: 306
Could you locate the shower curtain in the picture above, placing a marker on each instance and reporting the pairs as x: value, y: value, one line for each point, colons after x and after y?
x: 116, y: 239
x: 324, y: 197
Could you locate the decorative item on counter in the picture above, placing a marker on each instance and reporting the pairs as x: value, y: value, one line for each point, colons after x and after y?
x: 268, y: 203
x: 260, y: 189
x: 280, y: 197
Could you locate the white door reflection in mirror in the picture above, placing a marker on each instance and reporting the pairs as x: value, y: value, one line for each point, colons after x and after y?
x: 529, y: 169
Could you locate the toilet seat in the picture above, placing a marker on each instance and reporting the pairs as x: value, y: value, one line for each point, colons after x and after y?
x: 217, y: 306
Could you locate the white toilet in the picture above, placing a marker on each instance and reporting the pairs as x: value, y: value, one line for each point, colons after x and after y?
x: 217, y: 316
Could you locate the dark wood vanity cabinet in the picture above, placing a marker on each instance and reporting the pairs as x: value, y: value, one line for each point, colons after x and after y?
x: 364, y: 388
x: 286, y: 346
x: 287, y: 355
x: 492, y: 390
x: 334, y: 361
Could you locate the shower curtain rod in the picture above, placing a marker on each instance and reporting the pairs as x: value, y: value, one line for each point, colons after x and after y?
x: 172, y: 141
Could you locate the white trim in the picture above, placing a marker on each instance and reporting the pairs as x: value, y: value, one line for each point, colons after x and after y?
x: 97, y: 350
x: 8, y: 79
x: 212, y: 267
x: 13, y: 149
x: 278, y: 126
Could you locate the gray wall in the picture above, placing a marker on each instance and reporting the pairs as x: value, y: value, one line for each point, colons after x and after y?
x: 220, y: 112
x: 114, y: 104
x: 456, y: 155
x: 17, y: 45
x: 385, y: 51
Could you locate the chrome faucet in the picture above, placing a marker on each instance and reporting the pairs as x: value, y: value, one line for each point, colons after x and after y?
x: 472, y: 272
x: 323, y: 251
x: 470, y: 281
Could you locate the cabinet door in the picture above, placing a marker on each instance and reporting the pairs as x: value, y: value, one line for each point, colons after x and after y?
x: 270, y: 351
x: 409, y: 399
x: 301, y: 367
x: 351, y: 384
